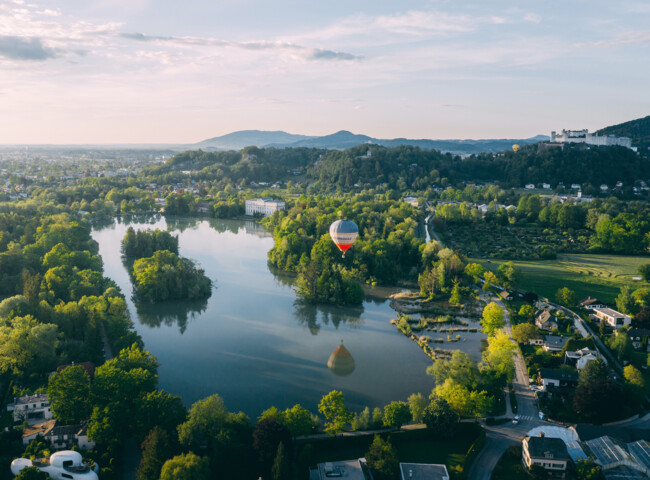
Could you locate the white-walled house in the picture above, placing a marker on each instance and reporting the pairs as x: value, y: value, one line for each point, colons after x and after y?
x: 31, y: 408
x: 613, y: 318
x: 549, y: 453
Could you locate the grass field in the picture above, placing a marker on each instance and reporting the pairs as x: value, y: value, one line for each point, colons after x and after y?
x: 599, y: 276
x: 415, y: 446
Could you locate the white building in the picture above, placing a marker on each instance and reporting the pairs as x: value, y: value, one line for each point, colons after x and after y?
x: 549, y: 453
x: 263, y: 206
x: 64, y: 465
x: 613, y: 318
x: 31, y: 408
x: 530, y: 186
x: 583, y: 136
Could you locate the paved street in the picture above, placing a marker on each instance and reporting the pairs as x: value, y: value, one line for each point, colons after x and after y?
x: 500, y: 437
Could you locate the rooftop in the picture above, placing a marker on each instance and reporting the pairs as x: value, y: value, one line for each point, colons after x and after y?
x: 348, y: 469
x: 610, y: 312
x: 423, y: 471
x: 553, y: 341
x: 555, y: 374
x: 546, y: 447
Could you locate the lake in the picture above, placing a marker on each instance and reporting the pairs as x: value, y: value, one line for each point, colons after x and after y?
x: 251, y: 342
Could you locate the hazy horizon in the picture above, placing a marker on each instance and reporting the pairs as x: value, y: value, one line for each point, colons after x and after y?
x: 142, y: 72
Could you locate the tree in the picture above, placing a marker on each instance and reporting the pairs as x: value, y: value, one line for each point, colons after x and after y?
x: 417, y: 404
x: 507, y: 274
x: 225, y: 435
x: 440, y: 418
x: 186, y: 467
x: 594, y: 400
x: 156, y: 450
x: 498, y: 356
x: 31, y: 473
x: 396, y: 414
x: 27, y: 346
x: 474, y: 271
x: 455, y: 297
x: 382, y: 459
x: 332, y: 406
x: 527, y: 312
x: 641, y: 297
x: 69, y: 395
x: 267, y: 436
x: 524, y: 332
x: 490, y: 279
x: 634, y: 376
x: 567, y: 297
x: 644, y: 271
x: 625, y: 302
x: 492, y: 319
x: 273, y: 412
x: 281, y: 467
x: 462, y: 401
x: 587, y: 470
x: 593, y: 372
x: 461, y: 368
x: 298, y: 420
x: 621, y: 345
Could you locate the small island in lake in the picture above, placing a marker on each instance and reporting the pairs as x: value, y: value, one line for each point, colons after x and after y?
x: 158, y: 272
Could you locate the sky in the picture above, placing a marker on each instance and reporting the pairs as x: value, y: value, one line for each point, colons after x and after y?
x: 171, y: 71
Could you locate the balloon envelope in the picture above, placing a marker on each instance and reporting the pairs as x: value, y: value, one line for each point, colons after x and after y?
x: 344, y: 233
x: 515, y: 148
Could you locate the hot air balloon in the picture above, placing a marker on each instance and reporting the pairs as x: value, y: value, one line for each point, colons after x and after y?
x: 515, y: 148
x: 344, y: 233
x: 341, y: 362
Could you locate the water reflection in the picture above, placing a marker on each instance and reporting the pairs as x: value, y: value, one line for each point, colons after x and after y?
x: 341, y: 362
x: 312, y: 316
x: 170, y: 313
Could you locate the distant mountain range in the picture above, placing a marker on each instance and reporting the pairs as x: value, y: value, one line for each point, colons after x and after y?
x: 344, y: 139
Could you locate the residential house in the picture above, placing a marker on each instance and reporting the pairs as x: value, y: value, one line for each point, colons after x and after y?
x: 546, y: 186
x: 537, y: 341
x: 530, y: 186
x: 60, y: 436
x: 203, y: 207
x: 580, y: 358
x: 423, y: 471
x: 554, y: 343
x: 613, y: 318
x: 553, y: 378
x: 31, y: 408
x: 505, y: 295
x: 546, y: 321
x: 639, y: 338
x: 590, y: 303
x: 549, y: 453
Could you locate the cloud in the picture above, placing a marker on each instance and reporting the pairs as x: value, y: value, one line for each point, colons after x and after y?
x: 331, y: 55
x: 310, y: 53
x: 20, y: 48
x: 623, y: 40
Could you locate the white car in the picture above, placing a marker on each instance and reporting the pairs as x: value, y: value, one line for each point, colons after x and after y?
x: 515, y: 420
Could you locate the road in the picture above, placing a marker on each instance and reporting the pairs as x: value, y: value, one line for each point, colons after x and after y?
x: 500, y: 437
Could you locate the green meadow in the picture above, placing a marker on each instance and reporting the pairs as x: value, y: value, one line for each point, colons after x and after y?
x: 599, y: 276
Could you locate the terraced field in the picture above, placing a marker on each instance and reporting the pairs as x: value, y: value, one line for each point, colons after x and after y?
x: 600, y: 276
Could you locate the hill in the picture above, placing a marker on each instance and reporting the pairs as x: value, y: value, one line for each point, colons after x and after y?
x: 246, y: 138
x: 638, y: 130
x: 345, y: 139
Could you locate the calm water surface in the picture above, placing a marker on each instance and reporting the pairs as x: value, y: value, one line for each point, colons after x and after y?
x: 251, y: 342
